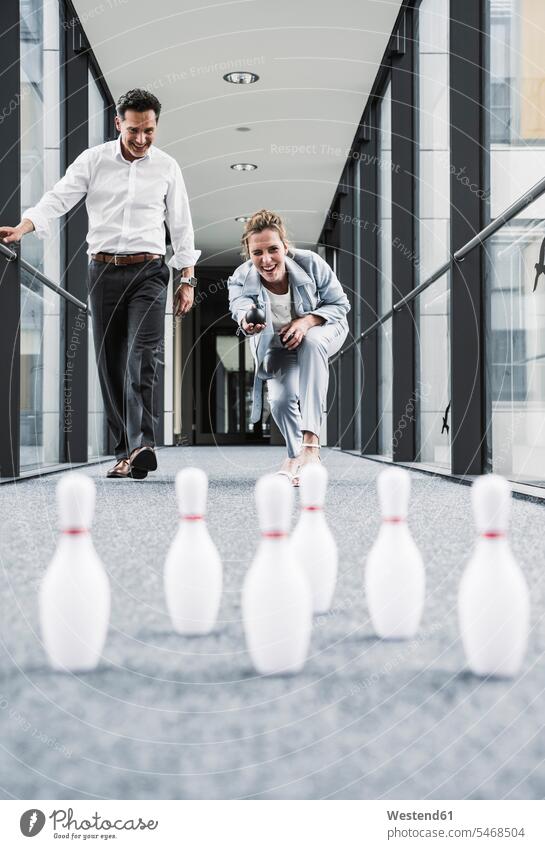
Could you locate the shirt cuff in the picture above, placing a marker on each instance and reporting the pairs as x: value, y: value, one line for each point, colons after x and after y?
x: 41, y: 224
x: 184, y: 260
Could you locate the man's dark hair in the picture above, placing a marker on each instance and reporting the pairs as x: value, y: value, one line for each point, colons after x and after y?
x: 139, y: 100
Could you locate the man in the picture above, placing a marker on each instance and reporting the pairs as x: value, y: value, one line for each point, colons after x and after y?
x: 131, y: 192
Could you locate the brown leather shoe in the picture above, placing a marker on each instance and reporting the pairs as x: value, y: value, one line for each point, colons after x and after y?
x: 123, y: 469
x: 143, y: 459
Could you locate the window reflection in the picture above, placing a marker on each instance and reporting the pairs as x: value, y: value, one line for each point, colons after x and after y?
x: 432, y: 309
x: 385, y: 203
x: 517, y: 98
x: 385, y: 410
x: 41, y: 314
x: 40, y: 123
x: 97, y: 426
x: 40, y: 373
x: 515, y: 345
x: 433, y: 136
x: 432, y: 387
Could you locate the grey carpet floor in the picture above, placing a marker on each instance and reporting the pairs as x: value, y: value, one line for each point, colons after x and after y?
x: 168, y: 717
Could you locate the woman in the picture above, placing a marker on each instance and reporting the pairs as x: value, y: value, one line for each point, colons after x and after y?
x: 305, y: 308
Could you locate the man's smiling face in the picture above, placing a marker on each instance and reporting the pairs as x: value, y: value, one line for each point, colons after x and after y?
x: 137, y: 131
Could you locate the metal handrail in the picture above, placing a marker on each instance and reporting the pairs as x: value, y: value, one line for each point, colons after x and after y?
x: 414, y: 293
x: 11, y: 256
x: 458, y: 256
x: 367, y: 332
x: 525, y: 200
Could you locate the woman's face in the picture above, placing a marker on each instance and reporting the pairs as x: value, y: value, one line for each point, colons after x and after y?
x: 268, y: 254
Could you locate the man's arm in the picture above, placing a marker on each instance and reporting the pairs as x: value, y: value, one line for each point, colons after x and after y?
x: 178, y: 219
x: 15, y: 234
x: 60, y: 199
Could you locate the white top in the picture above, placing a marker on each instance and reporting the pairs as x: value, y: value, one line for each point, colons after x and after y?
x: 128, y: 203
x: 282, y: 313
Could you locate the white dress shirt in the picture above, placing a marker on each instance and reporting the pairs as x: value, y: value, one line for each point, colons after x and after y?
x: 128, y: 203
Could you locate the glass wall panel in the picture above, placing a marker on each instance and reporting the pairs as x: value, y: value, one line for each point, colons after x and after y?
x: 432, y: 393
x: 385, y: 373
x: 41, y: 314
x: 264, y: 426
x: 433, y: 136
x: 40, y: 123
x: 385, y: 203
x: 515, y: 346
x: 225, y: 394
x: 517, y: 98
x: 432, y: 349
x: 40, y: 374
x: 357, y: 303
x: 97, y: 427
x: 97, y: 113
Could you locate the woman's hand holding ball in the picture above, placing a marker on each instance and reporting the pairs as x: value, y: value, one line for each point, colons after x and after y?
x: 253, y: 321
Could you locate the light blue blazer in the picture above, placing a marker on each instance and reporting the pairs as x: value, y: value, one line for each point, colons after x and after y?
x: 315, y: 290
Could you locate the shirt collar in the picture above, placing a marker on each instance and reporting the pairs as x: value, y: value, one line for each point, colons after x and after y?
x: 118, y: 154
x: 297, y: 273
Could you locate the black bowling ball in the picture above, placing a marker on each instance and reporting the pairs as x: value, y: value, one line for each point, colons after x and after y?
x: 255, y: 315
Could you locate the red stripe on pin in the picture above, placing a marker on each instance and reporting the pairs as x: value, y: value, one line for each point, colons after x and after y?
x: 75, y: 531
x: 273, y: 534
x: 312, y: 508
x: 393, y: 520
x: 192, y: 517
x: 493, y: 534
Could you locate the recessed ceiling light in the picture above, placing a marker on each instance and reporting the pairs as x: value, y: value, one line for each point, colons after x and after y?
x: 241, y: 77
x: 242, y: 219
x: 243, y: 166
x: 243, y: 129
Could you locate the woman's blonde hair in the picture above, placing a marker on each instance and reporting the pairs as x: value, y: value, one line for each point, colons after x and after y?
x: 264, y: 220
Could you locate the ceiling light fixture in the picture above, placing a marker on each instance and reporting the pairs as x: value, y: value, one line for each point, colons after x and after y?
x: 241, y: 77
x: 242, y: 219
x: 244, y: 166
x: 243, y: 129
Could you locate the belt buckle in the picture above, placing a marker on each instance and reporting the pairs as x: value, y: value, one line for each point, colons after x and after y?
x: 116, y: 257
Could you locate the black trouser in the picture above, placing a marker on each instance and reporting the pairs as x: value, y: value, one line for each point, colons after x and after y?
x: 128, y: 309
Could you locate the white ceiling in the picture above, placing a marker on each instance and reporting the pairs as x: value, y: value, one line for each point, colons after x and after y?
x: 316, y: 60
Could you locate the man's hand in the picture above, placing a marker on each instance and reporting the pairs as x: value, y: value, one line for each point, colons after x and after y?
x: 251, y: 329
x: 183, y: 299
x: 15, y: 234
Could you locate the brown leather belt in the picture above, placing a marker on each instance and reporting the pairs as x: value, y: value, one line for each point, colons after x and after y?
x: 129, y: 259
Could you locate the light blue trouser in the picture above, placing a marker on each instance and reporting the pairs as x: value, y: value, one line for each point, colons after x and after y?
x: 297, y: 382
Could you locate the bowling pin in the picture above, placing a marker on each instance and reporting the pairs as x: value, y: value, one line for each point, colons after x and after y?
x: 75, y: 593
x: 276, y: 597
x: 394, y: 577
x: 493, y: 602
x: 193, y: 573
x: 312, y: 540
